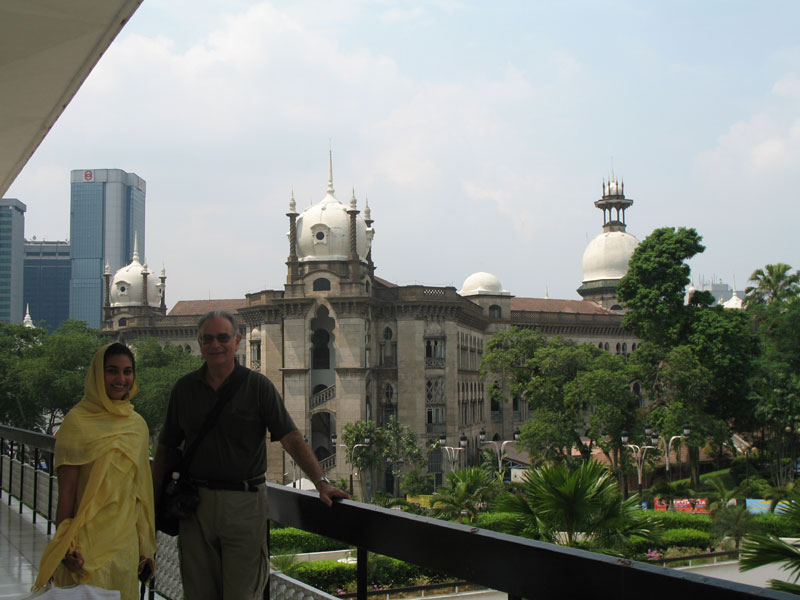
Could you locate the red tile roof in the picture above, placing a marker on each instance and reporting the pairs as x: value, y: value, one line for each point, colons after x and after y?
x: 586, y: 307
x: 201, y: 307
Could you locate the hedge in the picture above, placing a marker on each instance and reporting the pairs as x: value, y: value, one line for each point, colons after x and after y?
x: 296, y: 541
x: 497, y: 521
x: 680, y: 520
x: 776, y: 524
x: 326, y: 575
x: 686, y: 537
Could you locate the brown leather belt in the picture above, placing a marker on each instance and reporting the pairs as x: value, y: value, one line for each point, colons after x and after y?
x: 250, y: 485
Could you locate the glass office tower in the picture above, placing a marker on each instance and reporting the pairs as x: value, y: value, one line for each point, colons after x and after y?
x: 106, y: 213
x: 12, y: 248
x: 47, y: 274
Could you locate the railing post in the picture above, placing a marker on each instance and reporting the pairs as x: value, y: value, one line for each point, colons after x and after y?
x: 361, y: 573
x: 36, y: 458
x: 10, y: 470
x: 21, y: 476
x: 50, y: 476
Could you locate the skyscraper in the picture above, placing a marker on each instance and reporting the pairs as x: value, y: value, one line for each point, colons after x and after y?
x: 47, y: 274
x: 12, y: 239
x: 106, y: 214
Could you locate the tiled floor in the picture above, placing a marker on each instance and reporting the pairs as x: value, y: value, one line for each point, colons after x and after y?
x: 21, y: 546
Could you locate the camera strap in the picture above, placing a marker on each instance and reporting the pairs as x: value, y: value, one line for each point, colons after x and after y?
x: 224, y: 393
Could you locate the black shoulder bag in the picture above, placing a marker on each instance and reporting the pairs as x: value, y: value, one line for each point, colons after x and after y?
x: 179, y: 498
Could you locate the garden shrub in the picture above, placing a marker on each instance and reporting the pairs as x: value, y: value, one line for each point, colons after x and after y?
x: 680, y: 520
x: 741, y: 468
x: 494, y: 521
x: 295, y: 541
x: 776, y: 524
x: 326, y: 575
x: 692, y: 538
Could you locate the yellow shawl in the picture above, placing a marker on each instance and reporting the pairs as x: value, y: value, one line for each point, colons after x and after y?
x: 115, y: 490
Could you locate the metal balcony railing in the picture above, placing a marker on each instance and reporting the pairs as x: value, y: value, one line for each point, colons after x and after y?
x: 519, y: 567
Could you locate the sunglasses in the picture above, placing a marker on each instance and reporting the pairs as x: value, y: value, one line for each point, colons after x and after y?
x: 222, y: 338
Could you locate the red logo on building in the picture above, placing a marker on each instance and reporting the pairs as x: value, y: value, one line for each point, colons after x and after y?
x: 88, y: 175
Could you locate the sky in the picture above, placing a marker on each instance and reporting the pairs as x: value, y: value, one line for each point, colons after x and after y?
x: 480, y: 133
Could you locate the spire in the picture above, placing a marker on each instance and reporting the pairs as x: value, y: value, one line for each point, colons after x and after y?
x: 546, y: 293
x: 330, y: 172
x: 107, y: 270
x: 367, y: 212
x: 135, y: 247
x: 27, y: 321
x: 353, y: 200
x: 163, y: 270
x: 292, y: 204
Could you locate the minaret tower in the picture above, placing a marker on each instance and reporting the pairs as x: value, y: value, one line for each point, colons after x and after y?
x: 605, y: 260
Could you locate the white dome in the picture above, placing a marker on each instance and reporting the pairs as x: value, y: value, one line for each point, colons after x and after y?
x: 323, y: 231
x: 482, y: 284
x: 126, y: 287
x: 607, y: 256
x: 734, y: 302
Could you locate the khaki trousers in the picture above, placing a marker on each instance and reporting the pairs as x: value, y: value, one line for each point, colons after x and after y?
x: 223, y: 546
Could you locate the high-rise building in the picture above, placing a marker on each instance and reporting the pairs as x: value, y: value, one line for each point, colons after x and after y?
x: 106, y: 215
x: 12, y: 240
x: 46, y: 289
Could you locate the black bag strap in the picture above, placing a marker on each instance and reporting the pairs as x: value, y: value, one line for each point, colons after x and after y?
x: 224, y: 393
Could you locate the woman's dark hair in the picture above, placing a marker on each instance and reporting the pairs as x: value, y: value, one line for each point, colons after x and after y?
x: 117, y: 348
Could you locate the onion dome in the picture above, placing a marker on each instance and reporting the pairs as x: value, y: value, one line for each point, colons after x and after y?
x: 127, y: 287
x: 323, y: 229
x: 734, y: 302
x: 482, y: 284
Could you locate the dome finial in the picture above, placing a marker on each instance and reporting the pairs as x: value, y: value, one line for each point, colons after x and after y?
x: 28, y: 321
x: 135, y: 247
x: 330, y: 172
x: 292, y: 203
x: 353, y: 200
x: 367, y: 212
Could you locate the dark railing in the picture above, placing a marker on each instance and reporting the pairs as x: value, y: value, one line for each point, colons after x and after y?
x: 519, y: 567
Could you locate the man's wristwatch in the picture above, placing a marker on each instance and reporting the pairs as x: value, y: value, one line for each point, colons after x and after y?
x: 321, y: 480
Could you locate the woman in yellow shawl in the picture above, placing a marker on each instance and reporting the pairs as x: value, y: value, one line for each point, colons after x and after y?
x: 105, y: 533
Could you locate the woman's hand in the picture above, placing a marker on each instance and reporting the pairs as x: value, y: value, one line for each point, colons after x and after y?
x: 73, y: 561
x: 146, y: 569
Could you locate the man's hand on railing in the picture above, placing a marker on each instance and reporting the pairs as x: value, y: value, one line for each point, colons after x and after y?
x: 328, y: 492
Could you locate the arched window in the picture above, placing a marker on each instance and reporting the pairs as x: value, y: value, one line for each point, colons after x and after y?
x: 321, y: 354
x: 495, y: 312
x: 387, y: 334
x: 322, y: 285
x: 617, y: 347
x: 605, y: 347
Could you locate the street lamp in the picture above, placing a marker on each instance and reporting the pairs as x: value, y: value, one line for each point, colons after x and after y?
x: 686, y: 431
x: 499, y: 447
x: 639, y: 453
x: 350, y: 452
x: 452, y: 452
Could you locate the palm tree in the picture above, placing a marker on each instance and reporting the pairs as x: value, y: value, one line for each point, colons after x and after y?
x: 759, y: 550
x: 732, y: 521
x: 559, y: 504
x: 722, y: 496
x: 463, y: 495
x: 772, y: 283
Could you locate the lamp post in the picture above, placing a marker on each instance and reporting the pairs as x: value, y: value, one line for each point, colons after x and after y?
x: 639, y: 454
x: 686, y: 432
x: 452, y: 452
x: 499, y: 447
x: 350, y: 451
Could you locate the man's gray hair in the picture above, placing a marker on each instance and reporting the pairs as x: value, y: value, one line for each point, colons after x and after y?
x: 213, y: 314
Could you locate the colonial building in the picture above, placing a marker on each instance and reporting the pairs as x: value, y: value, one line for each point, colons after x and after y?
x: 344, y: 345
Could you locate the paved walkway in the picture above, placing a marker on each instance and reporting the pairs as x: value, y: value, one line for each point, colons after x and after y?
x: 21, y: 547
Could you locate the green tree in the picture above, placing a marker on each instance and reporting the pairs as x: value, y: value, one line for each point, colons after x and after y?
x: 17, y: 345
x: 697, y: 360
x: 52, y: 376
x: 464, y: 493
x: 394, y: 447
x: 653, y: 289
x: 157, y: 369
x: 759, y: 550
x: 773, y: 283
x: 563, y: 505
